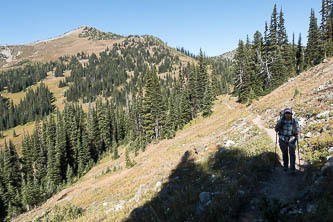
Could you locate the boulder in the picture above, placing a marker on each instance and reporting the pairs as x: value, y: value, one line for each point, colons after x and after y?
x: 158, y: 185
x: 308, y: 135
x: 330, y: 149
x: 328, y: 167
x: 229, y: 143
x: 205, y: 197
x: 325, y: 128
x: 223, y: 149
x: 323, y: 115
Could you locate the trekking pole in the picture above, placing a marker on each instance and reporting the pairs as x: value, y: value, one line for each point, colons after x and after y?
x: 299, y: 158
x: 275, y: 148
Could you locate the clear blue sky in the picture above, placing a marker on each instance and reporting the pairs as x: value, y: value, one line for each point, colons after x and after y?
x: 213, y: 25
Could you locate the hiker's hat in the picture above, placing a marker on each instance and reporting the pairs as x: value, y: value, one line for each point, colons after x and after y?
x: 288, y: 110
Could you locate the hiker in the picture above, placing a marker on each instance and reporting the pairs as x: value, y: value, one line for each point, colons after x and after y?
x: 288, y: 129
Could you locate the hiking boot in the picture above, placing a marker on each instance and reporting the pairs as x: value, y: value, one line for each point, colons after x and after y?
x: 285, y: 169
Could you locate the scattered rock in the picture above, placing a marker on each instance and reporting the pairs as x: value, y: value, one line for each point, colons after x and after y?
x: 323, y: 115
x: 205, y: 197
x: 229, y: 143
x: 330, y: 150
x: 138, y: 194
x: 138, y: 211
x: 325, y: 128
x: 241, y: 192
x: 223, y: 149
x: 331, y: 106
x: 325, y: 61
x: 200, y: 149
x: 205, y: 200
x: 328, y: 167
x: 105, y: 204
x: 308, y: 135
x: 158, y: 186
x: 310, y: 208
x: 302, y: 122
x: 326, y: 85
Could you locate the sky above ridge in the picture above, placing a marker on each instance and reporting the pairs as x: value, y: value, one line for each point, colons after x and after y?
x: 216, y: 26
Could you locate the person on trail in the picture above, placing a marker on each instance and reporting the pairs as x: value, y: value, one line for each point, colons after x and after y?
x: 288, y: 129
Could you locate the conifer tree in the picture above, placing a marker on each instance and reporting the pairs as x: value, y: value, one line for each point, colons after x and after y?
x: 60, y: 146
x: 202, y: 79
x: 208, y: 101
x: 192, y: 90
x: 299, y: 56
x: 11, y: 179
x: 148, y: 109
x: 313, y: 54
x: 242, y: 74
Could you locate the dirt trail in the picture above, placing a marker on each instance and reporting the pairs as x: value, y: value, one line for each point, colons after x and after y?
x: 282, y: 186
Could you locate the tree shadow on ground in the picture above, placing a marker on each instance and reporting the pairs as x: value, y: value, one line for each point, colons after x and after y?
x: 218, y: 189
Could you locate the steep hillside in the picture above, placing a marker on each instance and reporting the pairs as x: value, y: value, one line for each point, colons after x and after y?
x: 222, y: 167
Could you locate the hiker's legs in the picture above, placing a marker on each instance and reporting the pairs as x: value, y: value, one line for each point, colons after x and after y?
x: 292, y: 148
x: 284, y: 150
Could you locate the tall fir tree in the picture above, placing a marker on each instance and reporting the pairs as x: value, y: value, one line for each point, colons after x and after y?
x: 299, y: 56
x: 313, y: 54
x: 242, y: 73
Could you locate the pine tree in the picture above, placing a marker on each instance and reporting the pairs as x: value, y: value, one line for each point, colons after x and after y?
x: 257, y: 65
x: 148, y: 109
x: 273, y: 31
x: 208, y: 101
x: 192, y: 91
x: 242, y: 75
x: 313, y: 55
x: 11, y: 179
x: 60, y: 146
x: 299, y: 56
x: 202, y: 79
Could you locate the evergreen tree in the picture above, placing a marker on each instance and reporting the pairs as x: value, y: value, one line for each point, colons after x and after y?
x: 299, y: 56
x: 192, y: 90
x: 202, y: 79
x: 60, y: 146
x: 242, y: 74
x: 313, y: 54
x: 208, y: 101
x: 148, y: 109
x: 12, y: 180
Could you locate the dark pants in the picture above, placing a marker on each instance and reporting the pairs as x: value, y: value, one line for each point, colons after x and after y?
x: 284, y: 148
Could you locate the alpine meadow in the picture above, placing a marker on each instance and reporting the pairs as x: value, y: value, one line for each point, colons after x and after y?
x: 99, y: 126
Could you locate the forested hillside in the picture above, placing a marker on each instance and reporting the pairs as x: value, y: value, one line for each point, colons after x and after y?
x: 270, y: 59
x: 138, y: 91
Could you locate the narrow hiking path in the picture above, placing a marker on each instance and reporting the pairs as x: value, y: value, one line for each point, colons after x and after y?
x: 281, y: 186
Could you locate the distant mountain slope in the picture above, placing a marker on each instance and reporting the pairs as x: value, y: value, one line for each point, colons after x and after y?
x: 69, y: 43
x: 227, y: 56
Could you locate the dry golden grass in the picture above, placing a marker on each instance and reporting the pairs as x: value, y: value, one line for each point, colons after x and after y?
x: 306, y: 83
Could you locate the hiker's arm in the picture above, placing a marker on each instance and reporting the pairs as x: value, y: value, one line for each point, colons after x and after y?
x: 278, y: 126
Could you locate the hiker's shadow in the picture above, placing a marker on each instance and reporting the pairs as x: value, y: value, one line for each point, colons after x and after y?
x: 217, y: 189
